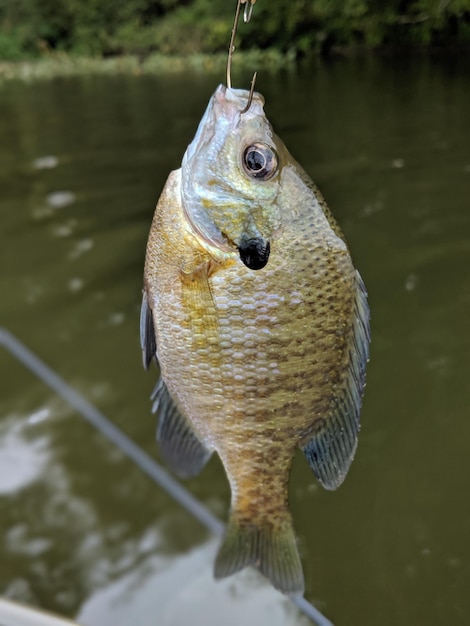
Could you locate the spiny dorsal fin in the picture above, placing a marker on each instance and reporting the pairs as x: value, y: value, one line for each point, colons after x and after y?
x: 147, y: 333
x: 272, y: 549
x: 332, y: 447
x: 180, y: 446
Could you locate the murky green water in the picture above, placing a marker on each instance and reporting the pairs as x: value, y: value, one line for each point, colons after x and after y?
x: 83, y: 532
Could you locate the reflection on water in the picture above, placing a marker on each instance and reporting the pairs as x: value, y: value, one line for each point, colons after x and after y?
x: 16, y: 451
x: 82, y: 162
x: 184, y: 591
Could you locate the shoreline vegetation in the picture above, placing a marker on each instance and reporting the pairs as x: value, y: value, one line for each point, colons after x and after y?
x: 47, y: 38
x: 63, y: 65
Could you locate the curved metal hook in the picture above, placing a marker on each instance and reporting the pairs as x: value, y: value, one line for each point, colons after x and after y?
x: 250, y: 96
x: 249, y: 4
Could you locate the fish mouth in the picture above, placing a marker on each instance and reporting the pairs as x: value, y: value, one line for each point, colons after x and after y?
x: 254, y: 253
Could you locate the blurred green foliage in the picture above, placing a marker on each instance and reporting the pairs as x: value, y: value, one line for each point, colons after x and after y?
x: 31, y: 28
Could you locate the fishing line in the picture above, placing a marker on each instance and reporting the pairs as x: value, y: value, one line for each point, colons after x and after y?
x: 134, y: 452
x: 231, y: 47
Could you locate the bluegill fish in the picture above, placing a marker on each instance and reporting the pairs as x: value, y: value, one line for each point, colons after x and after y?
x: 260, y: 325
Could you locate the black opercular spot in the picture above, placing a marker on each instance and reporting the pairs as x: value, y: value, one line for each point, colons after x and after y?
x: 254, y: 253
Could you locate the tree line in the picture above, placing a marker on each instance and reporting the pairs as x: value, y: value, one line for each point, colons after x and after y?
x: 32, y: 28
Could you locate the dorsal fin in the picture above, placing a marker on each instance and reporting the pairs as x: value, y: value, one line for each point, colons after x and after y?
x: 181, y: 448
x: 332, y: 447
x: 148, y: 341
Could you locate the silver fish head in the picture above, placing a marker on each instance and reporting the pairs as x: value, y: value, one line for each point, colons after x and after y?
x: 231, y: 177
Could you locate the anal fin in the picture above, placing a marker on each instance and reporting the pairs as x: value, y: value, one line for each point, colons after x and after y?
x: 181, y: 448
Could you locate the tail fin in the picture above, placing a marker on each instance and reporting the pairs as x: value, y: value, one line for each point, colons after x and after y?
x: 272, y: 549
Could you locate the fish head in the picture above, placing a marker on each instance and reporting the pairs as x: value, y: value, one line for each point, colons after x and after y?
x: 231, y: 177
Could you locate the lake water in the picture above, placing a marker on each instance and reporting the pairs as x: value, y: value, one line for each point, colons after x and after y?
x: 84, y: 532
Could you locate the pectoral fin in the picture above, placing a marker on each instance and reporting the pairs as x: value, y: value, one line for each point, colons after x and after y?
x: 147, y: 333
x: 184, y: 452
x: 198, y: 301
x: 332, y: 447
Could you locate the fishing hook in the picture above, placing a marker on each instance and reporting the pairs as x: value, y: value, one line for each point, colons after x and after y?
x: 250, y: 96
x: 249, y: 4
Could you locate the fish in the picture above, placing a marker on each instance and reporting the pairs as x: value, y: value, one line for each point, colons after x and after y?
x: 259, y: 323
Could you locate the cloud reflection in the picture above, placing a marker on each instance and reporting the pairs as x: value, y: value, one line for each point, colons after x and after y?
x: 171, y: 591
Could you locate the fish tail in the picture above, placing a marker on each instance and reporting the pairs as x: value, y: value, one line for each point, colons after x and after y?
x: 272, y: 548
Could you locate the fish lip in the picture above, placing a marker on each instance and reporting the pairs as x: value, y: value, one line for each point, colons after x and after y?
x: 236, y: 99
x: 226, y: 103
x: 254, y: 252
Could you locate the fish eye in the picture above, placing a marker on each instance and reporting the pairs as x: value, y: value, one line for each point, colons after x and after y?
x: 260, y: 161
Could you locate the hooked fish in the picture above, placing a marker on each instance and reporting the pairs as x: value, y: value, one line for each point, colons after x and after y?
x: 259, y: 322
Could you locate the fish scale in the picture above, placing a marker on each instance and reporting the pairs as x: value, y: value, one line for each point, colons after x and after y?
x: 260, y: 352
